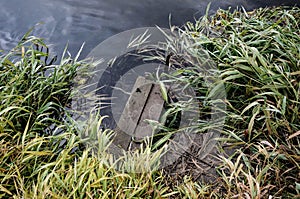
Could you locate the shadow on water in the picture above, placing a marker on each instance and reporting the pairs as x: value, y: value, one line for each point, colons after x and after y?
x: 92, y: 21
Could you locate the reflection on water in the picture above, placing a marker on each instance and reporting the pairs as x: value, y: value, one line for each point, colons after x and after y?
x: 92, y: 21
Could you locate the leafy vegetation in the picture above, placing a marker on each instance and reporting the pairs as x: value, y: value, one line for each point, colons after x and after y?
x: 257, y: 60
x: 257, y: 56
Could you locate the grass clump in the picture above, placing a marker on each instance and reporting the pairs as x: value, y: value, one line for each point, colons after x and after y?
x: 34, y: 94
x: 41, y: 154
x: 257, y: 60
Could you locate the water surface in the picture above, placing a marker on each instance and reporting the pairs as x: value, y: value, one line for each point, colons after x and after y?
x: 92, y: 21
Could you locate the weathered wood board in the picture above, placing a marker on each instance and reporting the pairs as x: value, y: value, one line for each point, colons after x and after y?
x: 144, y: 103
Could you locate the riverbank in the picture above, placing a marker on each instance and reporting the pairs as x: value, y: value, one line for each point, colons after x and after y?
x: 257, y: 58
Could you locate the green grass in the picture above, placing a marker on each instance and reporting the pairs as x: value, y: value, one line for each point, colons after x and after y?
x: 257, y: 56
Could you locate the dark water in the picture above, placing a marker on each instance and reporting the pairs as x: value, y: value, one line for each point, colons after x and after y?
x: 92, y: 21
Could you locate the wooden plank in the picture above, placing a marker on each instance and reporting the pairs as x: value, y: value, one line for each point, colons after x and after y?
x: 132, y: 112
x: 121, y: 138
x: 152, y: 111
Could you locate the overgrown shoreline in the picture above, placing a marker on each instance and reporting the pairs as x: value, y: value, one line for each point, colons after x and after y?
x: 257, y: 55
